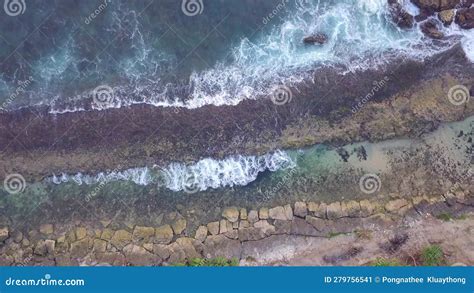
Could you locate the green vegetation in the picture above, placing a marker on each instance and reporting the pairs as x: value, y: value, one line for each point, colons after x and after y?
x: 335, y: 234
x: 448, y: 217
x: 210, y: 262
x: 432, y: 256
x: 386, y: 262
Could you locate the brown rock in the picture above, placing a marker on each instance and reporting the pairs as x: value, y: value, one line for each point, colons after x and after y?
x: 163, y: 251
x: 263, y: 213
x: 265, y: 227
x: 465, y: 18
x: 436, y: 5
x: 430, y: 29
x: 225, y: 226
x: 213, y: 228
x: 80, y: 248
x: 446, y: 16
x: 251, y: 234
x: 40, y: 248
x: 221, y: 246
x: 300, y: 209
x: 139, y: 256
x: 243, y: 214
x: 277, y: 213
x: 350, y: 208
x: 107, y: 234
x: 187, y: 246
x: 121, y: 238
x: 179, y: 226
x: 288, y: 212
x: 50, y: 245
x: 244, y: 224
x: 253, y: 216
x: 318, y: 38
x: 334, y: 210
x: 99, y: 245
x: 4, y: 233
x: 163, y: 234
x: 402, y: 18
x: 201, y: 233
x: 313, y: 207
x: 231, y: 214
x: 366, y: 208
x: 81, y: 233
x: 143, y: 233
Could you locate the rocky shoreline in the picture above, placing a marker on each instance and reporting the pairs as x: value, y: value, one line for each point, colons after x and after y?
x: 268, y: 236
x: 37, y: 144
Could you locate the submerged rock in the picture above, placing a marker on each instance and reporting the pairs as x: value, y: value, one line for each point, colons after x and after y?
x: 465, y: 18
x: 318, y: 38
x: 399, y: 15
x: 430, y: 29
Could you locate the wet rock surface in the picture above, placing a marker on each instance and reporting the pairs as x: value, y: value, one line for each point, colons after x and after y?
x: 340, y: 237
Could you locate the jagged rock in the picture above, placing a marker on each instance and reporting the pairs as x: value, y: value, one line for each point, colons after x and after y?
x: 225, y: 226
x: 107, y: 234
x: 396, y: 205
x: 46, y: 229
x: 143, y: 233
x: 50, y: 245
x: 99, y: 245
x: 300, y: 209
x: 187, y: 246
x: 436, y: 5
x: 350, y: 208
x: 366, y: 208
x: 231, y: 214
x: 265, y: 227
x: 213, y: 228
x: 121, y: 238
x: 17, y: 236
x: 319, y: 210
x: 244, y: 224
x: 446, y: 16
x: 243, y: 214
x: 148, y: 246
x: 399, y: 15
x: 301, y: 227
x: 313, y: 206
x: 40, y: 248
x: 114, y: 258
x: 430, y: 29
x: 163, y: 234
x: 282, y: 227
x: 318, y: 38
x: 163, y: 251
x: 253, y: 216
x: 221, y: 246
x: 65, y: 261
x: 318, y: 223
x: 263, y: 213
x: 81, y: 233
x: 277, y: 213
x: 232, y: 234
x: 251, y: 233
x: 334, y: 210
x: 179, y: 226
x: 4, y: 233
x: 80, y: 248
x: 138, y: 256
x: 465, y: 18
x: 288, y: 212
x: 201, y: 233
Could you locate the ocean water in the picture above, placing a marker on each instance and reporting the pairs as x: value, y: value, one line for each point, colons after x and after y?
x: 152, y: 52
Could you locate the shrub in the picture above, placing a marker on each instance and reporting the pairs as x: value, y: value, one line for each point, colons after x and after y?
x: 432, y: 256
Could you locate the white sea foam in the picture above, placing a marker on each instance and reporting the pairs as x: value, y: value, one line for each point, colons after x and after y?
x: 361, y: 36
x: 204, y: 174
